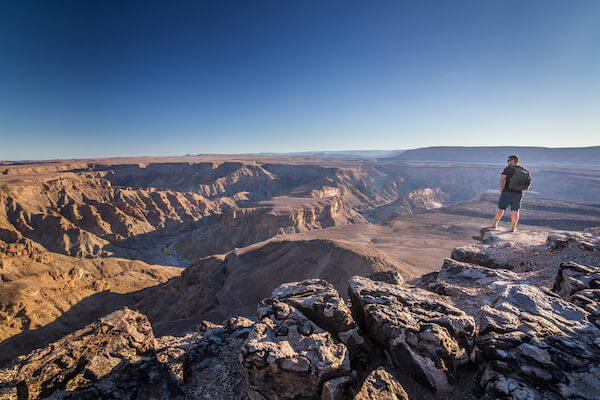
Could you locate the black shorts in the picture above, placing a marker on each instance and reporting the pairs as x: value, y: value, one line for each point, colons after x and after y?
x: 512, y: 199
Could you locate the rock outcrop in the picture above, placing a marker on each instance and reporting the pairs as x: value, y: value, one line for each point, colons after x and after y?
x: 211, y: 366
x: 288, y: 356
x: 112, y: 357
x: 538, y: 346
x: 533, y: 343
x: 319, y: 302
x: 381, y: 385
x: 424, y: 334
x: 580, y: 285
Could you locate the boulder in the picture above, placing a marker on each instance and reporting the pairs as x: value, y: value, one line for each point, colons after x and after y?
x: 381, y: 385
x: 319, y: 302
x: 287, y: 356
x: 424, y: 333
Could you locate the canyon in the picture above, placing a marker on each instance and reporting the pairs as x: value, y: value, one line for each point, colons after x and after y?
x: 167, y: 249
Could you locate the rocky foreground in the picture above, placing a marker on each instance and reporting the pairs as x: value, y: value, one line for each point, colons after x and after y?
x: 514, y: 316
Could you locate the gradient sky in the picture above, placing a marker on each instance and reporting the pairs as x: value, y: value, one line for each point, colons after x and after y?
x: 116, y: 78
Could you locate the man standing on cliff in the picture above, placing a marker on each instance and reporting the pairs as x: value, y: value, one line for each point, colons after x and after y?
x: 514, y: 180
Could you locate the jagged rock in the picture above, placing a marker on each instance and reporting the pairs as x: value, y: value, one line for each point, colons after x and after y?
x: 287, y: 356
x: 392, y: 277
x: 589, y: 300
x: 381, y: 385
x: 319, y: 302
x: 211, y: 369
x: 468, y: 285
x: 586, y: 241
x: 335, y: 389
x: 580, y: 285
x: 171, y: 350
x: 573, y: 277
x: 113, y: 356
x: 536, y: 346
x: 425, y: 335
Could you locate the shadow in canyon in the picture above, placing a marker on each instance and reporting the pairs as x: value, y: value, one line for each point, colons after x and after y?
x: 86, y: 311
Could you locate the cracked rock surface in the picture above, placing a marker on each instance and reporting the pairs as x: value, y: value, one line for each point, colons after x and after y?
x: 537, y: 346
x: 537, y: 334
x: 381, y: 385
x: 425, y: 335
x: 112, y: 357
x: 288, y: 356
x: 580, y: 284
x: 211, y: 369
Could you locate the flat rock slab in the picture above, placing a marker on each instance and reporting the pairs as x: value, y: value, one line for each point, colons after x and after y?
x: 469, y: 285
x: 534, y: 255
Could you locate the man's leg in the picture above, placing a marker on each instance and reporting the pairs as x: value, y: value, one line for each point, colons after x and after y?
x: 499, y: 214
x: 514, y: 218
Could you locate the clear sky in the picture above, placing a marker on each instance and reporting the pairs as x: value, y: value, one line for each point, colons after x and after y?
x: 116, y: 78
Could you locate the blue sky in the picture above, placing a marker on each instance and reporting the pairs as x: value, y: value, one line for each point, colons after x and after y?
x: 118, y: 78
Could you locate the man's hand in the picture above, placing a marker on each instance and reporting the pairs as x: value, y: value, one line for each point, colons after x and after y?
x: 502, y: 182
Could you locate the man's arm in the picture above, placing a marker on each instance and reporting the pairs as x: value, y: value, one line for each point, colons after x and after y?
x: 502, y: 181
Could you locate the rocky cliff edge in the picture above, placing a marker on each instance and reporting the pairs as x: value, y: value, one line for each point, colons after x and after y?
x: 513, y: 316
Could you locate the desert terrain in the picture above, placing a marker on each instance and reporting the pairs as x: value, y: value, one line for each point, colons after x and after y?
x: 197, y: 240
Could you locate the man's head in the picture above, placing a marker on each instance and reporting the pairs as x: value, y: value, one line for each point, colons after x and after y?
x: 513, y: 160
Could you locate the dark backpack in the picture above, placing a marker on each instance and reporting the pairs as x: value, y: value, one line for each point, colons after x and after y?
x: 521, y: 179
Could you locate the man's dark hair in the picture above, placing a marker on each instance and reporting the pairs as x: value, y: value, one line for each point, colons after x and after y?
x: 514, y: 157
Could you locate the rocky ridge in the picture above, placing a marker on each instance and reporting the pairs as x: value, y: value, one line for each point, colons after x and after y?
x: 46, y: 295
x: 205, y: 290
x: 469, y: 331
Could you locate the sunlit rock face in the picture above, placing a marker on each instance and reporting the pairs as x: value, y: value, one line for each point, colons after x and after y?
x: 424, y: 334
x: 537, y: 322
x: 111, y: 357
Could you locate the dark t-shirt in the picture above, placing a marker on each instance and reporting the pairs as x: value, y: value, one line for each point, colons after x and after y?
x: 509, y: 172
